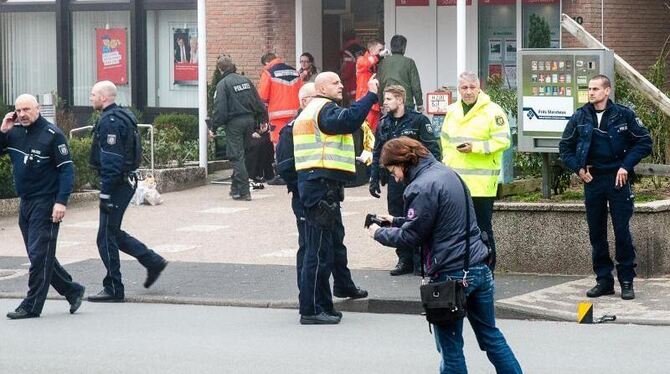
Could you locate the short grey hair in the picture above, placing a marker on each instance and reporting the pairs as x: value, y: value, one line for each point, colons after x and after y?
x: 468, y: 76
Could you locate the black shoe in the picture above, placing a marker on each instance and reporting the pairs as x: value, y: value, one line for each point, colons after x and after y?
x: 356, y: 293
x: 335, y: 313
x: 153, y: 274
x: 319, y: 319
x: 601, y: 289
x: 246, y: 197
x: 256, y: 185
x: 277, y: 181
x: 402, y: 268
x: 21, y: 313
x: 627, y: 292
x: 104, y: 297
x: 76, y: 302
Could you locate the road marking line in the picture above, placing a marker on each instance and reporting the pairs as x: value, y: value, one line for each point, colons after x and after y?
x: 202, y: 228
x: 84, y: 225
x: 174, y: 248
x: 224, y: 210
x: 281, y: 253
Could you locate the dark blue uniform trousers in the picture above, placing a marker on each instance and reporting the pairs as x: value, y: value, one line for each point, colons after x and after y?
x: 597, y: 194
x: 396, y: 208
x: 39, y: 235
x: 111, y: 239
x: 324, y: 251
x: 484, y: 213
x: 341, y: 273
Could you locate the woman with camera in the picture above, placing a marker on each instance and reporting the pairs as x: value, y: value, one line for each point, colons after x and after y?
x: 436, y: 201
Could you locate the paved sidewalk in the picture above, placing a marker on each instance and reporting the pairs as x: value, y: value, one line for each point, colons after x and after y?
x: 225, y: 252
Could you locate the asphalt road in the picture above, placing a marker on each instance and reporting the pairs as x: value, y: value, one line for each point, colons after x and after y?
x: 153, y: 338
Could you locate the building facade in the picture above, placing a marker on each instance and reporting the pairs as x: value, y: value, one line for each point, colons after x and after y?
x: 148, y: 47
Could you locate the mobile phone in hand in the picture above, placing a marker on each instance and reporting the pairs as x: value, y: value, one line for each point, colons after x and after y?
x: 462, y: 145
x: 15, y: 116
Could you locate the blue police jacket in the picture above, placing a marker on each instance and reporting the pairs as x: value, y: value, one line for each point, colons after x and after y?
x: 41, y: 160
x: 435, y: 220
x: 334, y: 120
x: 108, y: 153
x: 629, y: 140
x: 412, y: 124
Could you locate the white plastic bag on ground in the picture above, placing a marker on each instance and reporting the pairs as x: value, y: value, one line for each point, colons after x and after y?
x: 146, y: 193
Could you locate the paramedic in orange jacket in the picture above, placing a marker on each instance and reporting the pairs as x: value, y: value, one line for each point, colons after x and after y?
x: 366, y: 67
x: 278, y: 88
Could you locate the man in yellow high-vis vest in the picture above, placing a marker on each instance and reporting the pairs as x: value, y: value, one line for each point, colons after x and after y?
x: 475, y: 133
x: 325, y: 160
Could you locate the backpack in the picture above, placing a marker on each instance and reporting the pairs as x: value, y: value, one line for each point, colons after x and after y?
x: 133, y: 142
x: 284, y: 155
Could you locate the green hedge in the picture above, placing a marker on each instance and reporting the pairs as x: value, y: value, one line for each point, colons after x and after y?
x: 187, y: 124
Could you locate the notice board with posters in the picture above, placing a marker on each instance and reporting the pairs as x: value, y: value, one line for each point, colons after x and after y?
x: 553, y: 84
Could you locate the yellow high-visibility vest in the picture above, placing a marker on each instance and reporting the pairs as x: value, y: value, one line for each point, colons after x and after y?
x: 315, y: 149
x: 486, y: 128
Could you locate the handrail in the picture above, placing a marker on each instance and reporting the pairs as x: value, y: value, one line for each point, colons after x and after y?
x: 145, y: 125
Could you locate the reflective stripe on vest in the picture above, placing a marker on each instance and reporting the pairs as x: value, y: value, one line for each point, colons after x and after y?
x: 314, y: 149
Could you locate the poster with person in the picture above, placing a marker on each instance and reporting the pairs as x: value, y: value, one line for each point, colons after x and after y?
x: 185, y: 57
x: 111, y: 55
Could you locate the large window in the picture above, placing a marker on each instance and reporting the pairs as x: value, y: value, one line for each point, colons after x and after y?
x: 28, y: 54
x: 172, y: 59
x: 101, y: 51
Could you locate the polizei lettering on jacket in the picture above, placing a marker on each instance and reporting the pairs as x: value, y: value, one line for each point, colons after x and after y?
x: 242, y: 87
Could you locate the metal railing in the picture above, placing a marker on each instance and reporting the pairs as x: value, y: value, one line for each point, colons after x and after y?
x: 144, y: 125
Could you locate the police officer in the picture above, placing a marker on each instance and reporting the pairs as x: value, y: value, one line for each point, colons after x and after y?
x: 400, y: 121
x: 115, y: 153
x: 43, y: 178
x: 325, y: 161
x: 475, y: 133
x: 286, y: 169
x: 602, y: 143
x: 238, y: 107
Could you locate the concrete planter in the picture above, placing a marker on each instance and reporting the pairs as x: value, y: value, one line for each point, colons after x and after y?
x: 177, y: 179
x: 10, y: 207
x: 553, y: 238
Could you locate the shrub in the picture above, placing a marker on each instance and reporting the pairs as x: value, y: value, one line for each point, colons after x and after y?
x: 85, y: 176
x: 187, y: 124
x: 6, y: 179
x: 170, y: 148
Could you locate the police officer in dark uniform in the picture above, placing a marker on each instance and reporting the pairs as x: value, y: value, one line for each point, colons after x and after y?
x: 43, y: 178
x: 400, y: 121
x: 238, y: 107
x: 116, y: 153
x: 325, y: 161
x: 602, y: 143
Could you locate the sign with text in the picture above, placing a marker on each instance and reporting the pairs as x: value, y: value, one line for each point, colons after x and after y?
x: 411, y: 2
x: 438, y: 102
x: 185, y: 61
x: 451, y: 2
x: 111, y: 55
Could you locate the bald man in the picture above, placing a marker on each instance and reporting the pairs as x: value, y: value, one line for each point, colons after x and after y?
x: 325, y: 161
x: 43, y: 178
x: 116, y: 153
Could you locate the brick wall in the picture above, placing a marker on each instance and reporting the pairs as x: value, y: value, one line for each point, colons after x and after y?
x: 246, y: 29
x: 635, y: 30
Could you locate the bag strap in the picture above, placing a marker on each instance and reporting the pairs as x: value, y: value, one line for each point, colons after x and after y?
x: 466, y: 259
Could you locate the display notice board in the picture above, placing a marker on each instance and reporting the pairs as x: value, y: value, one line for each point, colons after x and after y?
x: 554, y: 84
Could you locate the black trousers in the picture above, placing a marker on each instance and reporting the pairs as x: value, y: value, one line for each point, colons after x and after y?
x: 259, y: 156
x: 484, y: 212
x: 39, y: 235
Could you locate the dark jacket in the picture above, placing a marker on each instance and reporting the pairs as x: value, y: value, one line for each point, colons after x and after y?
x: 398, y: 69
x: 414, y: 125
x: 236, y: 96
x: 41, y: 160
x: 630, y: 142
x: 435, y: 221
x: 112, y: 146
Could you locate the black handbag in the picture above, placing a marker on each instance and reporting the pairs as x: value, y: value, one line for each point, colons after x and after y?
x: 445, y: 302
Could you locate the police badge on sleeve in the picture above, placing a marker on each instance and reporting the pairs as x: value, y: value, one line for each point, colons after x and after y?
x: 111, y: 139
x: 62, y: 148
x: 500, y: 121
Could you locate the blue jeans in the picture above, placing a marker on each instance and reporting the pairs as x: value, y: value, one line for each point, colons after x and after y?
x: 481, y: 314
x: 598, y: 194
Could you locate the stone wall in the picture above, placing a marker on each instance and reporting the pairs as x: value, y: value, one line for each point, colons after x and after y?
x: 553, y: 238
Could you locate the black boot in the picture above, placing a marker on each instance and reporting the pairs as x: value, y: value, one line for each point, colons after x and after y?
x: 600, y: 289
x: 402, y: 268
x: 627, y: 292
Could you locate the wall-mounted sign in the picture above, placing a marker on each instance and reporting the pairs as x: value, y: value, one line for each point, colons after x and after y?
x: 438, y: 102
x: 185, y: 62
x: 451, y: 2
x: 411, y: 2
x: 111, y: 55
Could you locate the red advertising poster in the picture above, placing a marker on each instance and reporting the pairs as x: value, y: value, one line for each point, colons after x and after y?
x: 451, y: 2
x: 185, y: 57
x: 411, y: 2
x: 512, y: 2
x: 495, y: 69
x: 111, y: 55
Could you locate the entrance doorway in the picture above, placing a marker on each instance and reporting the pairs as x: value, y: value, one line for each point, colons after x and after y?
x: 364, y: 17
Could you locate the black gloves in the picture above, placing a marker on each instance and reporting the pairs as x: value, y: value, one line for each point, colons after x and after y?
x: 375, y: 190
x: 106, y: 205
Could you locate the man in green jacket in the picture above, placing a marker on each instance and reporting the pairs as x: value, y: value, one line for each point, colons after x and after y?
x: 398, y: 69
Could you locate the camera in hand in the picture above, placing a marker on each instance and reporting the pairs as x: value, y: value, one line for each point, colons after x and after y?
x: 372, y: 218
